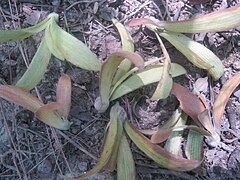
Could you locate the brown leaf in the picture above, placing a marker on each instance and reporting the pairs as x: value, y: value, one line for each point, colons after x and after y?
x: 222, y: 99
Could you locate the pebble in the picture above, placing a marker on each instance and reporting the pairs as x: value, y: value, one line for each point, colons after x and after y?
x: 236, y: 65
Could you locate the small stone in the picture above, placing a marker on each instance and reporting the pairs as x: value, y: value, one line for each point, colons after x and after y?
x: 236, y: 65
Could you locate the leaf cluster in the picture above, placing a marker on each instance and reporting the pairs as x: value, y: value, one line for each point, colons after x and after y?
x: 123, y: 72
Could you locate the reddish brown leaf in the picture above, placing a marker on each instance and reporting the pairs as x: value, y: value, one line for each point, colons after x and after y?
x: 162, y: 134
x: 189, y: 103
x: 21, y: 97
x: 64, y: 95
x: 140, y: 21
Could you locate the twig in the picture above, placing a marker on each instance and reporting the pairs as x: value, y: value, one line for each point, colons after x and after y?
x: 77, y: 145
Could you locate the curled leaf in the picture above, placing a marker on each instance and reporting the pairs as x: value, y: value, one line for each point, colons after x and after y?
x: 108, y: 71
x: 127, y: 45
x: 189, y: 103
x: 36, y: 69
x: 116, y: 114
x: 165, y: 83
x: 49, y: 115
x: 162, y: 134
x: 221, y: 101
x: 158, y: 154
x: 140, y: 21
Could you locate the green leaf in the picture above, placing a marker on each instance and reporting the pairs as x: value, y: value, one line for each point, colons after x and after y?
x: 158, y: 154
x: 120, y: 115
x: 65, y: 46
x: 50, y: 116
x: 20, y: 34
x: 108, y: 71
x: 198, y: 54
x: 220, y: 20
x: 165, y: 83
x: 147, y: 76
x: 133, y: 70
x: 174, y: 141
x: 193, y: 149
x: 36, y: 69
x: 127, y: 45
x: 125, y: 163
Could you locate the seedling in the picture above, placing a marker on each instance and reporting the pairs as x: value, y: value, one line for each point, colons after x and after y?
x: 117, y: 78
x: 55, y: 41
x: 53, y: 114
x: 132, y: 80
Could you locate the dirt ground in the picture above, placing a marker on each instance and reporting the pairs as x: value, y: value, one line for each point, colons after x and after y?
x: 31, y: 150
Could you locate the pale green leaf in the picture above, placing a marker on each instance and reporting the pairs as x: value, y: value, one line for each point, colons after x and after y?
x: 133, y: 70
x: 147, y: 76
x: 20, y: 34
x: 36, y: 69
x: 127, y: 45
x: 198, y: 54
x: 119, y: 114
x: 174, y: 141
x: 220, y: 20
x: 108, y: 71
x: 66, y: 47
x: 109, y: 143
